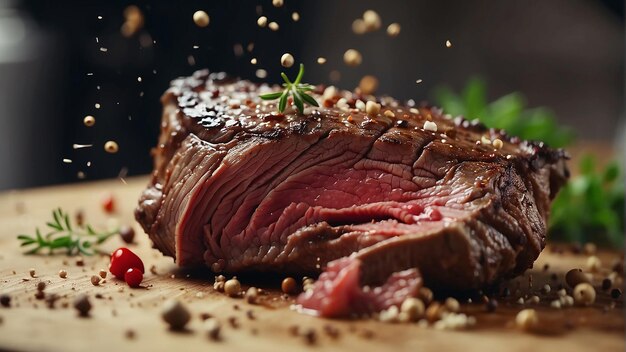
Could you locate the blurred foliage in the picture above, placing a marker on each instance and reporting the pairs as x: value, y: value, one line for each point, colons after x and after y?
x: 590, y: 208
x: 508, y: 112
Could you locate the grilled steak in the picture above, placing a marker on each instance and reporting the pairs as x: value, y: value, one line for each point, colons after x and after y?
x: 238, y: 186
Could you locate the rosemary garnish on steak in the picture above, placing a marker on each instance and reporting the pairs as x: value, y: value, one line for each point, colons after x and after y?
x: 296, y: 89
x: 63, y: 235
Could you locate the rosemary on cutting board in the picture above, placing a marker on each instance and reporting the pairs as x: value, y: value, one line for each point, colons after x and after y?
x: 63, y: 235
x: 296, y: 89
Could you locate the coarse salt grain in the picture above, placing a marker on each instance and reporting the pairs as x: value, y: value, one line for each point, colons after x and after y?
x: 430, y: 126
x: 372, y: 108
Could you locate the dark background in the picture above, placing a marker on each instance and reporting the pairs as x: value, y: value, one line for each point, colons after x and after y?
x: 567, y: 55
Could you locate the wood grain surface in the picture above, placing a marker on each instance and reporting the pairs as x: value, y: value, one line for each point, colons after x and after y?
x: 31, y: 326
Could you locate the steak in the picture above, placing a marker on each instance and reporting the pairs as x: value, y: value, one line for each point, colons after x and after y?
x: 383, y: 200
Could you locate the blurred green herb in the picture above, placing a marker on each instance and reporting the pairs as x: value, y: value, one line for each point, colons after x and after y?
x: 296, y: 89
x: 508, y: 112
x: 588, y: 208
x: 591, y: 206
x: 63, y: 235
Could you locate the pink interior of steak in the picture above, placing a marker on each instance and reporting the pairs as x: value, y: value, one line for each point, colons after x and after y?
x: 338, y: 292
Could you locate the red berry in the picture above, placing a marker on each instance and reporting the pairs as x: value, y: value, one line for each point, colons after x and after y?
x: 122, y: 260
x: 108, y: 204
x: 133, y: 277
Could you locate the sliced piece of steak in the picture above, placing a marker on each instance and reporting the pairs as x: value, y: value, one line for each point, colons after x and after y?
x: 239, y: 187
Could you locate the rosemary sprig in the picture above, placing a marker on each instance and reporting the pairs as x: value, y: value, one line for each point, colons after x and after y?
x: 63, y: 235
x: 296, y: 89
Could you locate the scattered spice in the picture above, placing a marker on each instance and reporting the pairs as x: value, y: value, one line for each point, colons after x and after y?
x: 584, y: 294
x: 261, y: 21
x: 175, y: 314
x: 289, y: 285
x: 372, y: 20
x: 40, y: 295
x: 51, y: 300
x: 575, y: 277
x: 111, y: 147
x: 95, y: 280
x: 82, y: 305
x: 62, y: 274
x: 616, y: 293
x: 278, y: 3
x: 232, y: 287
x: 89, y: 121
x: 352, y: 57
x: 430, y: 126
x: 234, y: 323
x: 452, y: 305
x: 251, y: 295
x: 413, y: 308
x: 321, y: 60
x: 434, y: 311
x: 41, y: 286
x: 286, y: 60
x: 80, y: 261
x: 5, y: 300
x: 310, y: 337
x: 133, y: 21
x: 372, y: 108
x: 590, y: 248
x: 273, y: 26
x: 606, y: 284
x: 425, y: 294
x: 295, y: 17
x: 127, y: 233
x: 368, y: 84
x: 527, y: 319
x: 593, y: 263
x: 201, y: 18
x: 448, y: 44
x: 32, y: 272
x: 497, y: 143
x: 358, y: 26
x: 393, y: 30
x: 130, y: 334
x: 491, y: 305
x: 212, y: 327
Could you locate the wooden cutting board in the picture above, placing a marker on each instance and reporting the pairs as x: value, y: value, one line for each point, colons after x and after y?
x: 30, y: 325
